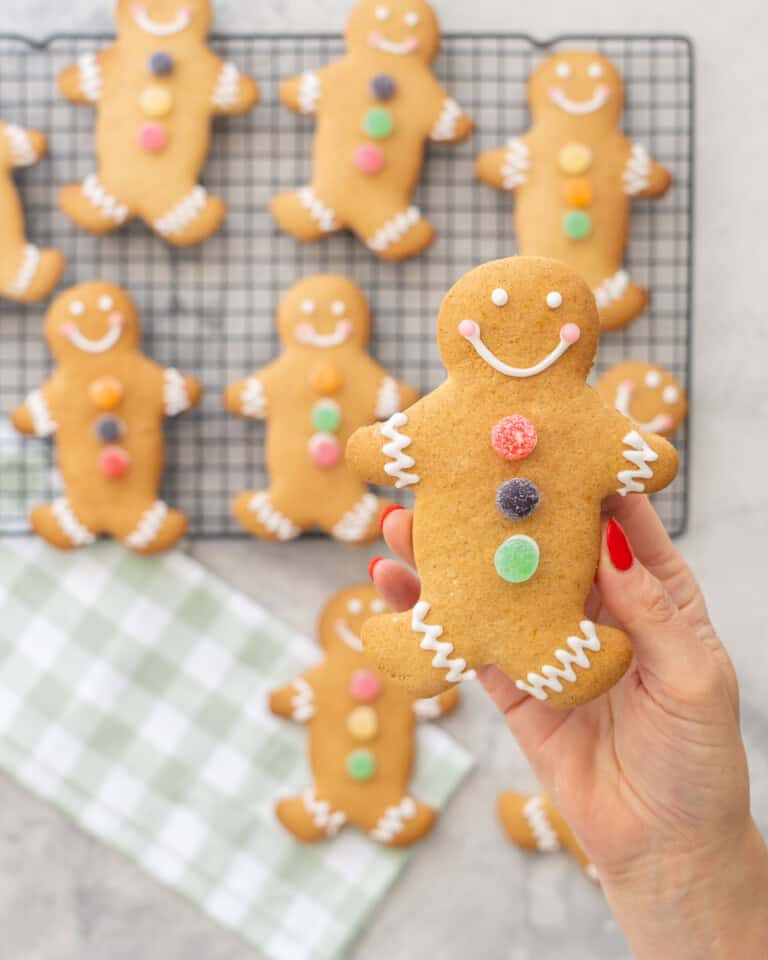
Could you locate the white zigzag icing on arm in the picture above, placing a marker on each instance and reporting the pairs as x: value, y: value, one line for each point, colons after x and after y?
x: 445, y: 125
x: 24, y: 154
x: 91, y: 85
x: 395, y: 229
x: 30, y: 261
x: 514, y: 173
x: 253, y: 402
x: 640, y: 455
x: 354, y: 525
x: 183, y: 214
x: 303, y: 702
x: 542, y: 830
x: 457, y: 667
x: 149, y: 527
x: 392, y: 822
x: 394, y: 450
x: 331, y: 821
x: 225, y: 92
x: 637, y: 172
x: 309, y: 91
x: 551, y: 677
x: 388, y: 399
x: 175, y: 393
x: 42, y: 420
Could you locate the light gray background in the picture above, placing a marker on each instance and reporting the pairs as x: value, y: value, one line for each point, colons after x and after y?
x: 64, y: 897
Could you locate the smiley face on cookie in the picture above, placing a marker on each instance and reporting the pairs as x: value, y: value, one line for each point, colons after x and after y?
x: 577, y: 83
x: 651, y: 397
x: 399, y: 28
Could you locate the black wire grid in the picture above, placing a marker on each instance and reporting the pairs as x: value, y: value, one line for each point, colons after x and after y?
x: 210, y: 310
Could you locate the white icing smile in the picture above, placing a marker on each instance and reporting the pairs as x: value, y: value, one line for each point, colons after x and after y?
x: 351, y: 639
x: 380, y: 42
x: 78, y: 339
x: 580, y: 108
x: 569, y: 334
x: 306, y: 334
x: 623, y: 402
x: 166, y: 29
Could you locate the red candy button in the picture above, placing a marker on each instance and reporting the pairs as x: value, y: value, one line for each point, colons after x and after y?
x: 153, y: 137
x: 369, y: 158
x: 514, y: 438
x: 114, y: 462
x: 324, y: 450
x: 364, y: 686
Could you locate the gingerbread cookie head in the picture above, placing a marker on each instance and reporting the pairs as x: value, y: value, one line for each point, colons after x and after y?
x: 577, y: 84
x: 342, y: 618
x: 399, y: 28
x: 163, y: 20
x: 517, y: 319
x: 644, y: 393
x: 92, y: 320
x: 324, y: 312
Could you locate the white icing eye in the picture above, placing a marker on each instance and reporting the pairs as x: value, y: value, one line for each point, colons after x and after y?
x: 355, y: 606
x: 378, y: 606
x: 671, y: 394
x: 106, y: 303
x: 412, y: 19
x: 554, y: 300
x: 500, y: 297
x: 652, y: 379
x: 77, y: 308
x: 338, y: 308
x: 595, y: 71
x: 563, y: 70
x: 382, y: 13
x: 308, y: 306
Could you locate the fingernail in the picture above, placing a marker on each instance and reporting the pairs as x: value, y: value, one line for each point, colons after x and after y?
x: 386, y: 512
x: 618, y: 546
x: 372, y: 565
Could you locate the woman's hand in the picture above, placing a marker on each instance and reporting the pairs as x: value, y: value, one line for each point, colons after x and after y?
x: 652, y: 777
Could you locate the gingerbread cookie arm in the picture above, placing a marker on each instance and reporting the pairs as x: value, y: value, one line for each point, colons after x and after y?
x: 35, y: 417
x: 83, y: 82
x: 506, y: 168
x: 391, y: 395
x: 451, y: 124
x: 250, y: 397
x: 642, y: 462
x: 233, y: 91
x: 302, y: 94
x: 383, y: 453
x: 436, y: 707
x: 643, y: 176
x: 295, y: 701
x: 180, y: 392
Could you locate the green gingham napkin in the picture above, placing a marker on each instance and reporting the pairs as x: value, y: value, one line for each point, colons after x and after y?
x: 132, y: 696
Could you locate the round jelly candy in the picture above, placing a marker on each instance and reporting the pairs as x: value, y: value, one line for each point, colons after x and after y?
x: 326, y: 416
x: 517, y: 559
x: 369, y: 159
x: 106, y: 393
x: 324, y: 451
x: 383, y: 87
x: 114, y: 462
x: 364, y: 686
x: 363, y: 723
x: 160, y: 64
x: 109, y: 429
x: 156, y: 101
x: 577, y: 192
x: 517, y: 499
x: 574, y: 158
x: 577, y: 224
x: 378, y: 123
x: 326, y: 380
x: 153, y: 137
x: 361, y: 765
x: 514, y: 438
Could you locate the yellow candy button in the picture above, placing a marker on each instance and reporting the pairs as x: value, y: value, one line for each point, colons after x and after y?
x: 106, y: 393
x: 577, y: 192
x: 575, y: 158
x: 156, y: 101
x: 363, y: 723
x: 326, y: 380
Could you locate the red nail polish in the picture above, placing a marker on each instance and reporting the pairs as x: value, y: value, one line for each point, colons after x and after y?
x: 372, y: 565
x: 618, y: 546
x: 386, y: 512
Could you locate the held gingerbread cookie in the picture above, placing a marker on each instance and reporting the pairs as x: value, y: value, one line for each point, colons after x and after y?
x: 314, y: 396
x: 361, y: 736
x: 647, y: 395
x: 156, y: 90
x: 27, y: 274
x: 575, y: 174
x: 534, y: 823
x: 375, y: 110
x: 104, y: 405
x: 510, y: 460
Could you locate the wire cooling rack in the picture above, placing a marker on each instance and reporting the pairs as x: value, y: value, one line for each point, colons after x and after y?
x: 210, y: 310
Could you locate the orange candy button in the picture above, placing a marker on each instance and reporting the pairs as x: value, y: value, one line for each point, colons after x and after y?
x: 326, y: 380
x: 106, y: 393
x: 577, y: 192
x: 363, y: 723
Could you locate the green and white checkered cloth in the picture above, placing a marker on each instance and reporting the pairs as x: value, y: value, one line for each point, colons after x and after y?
x: 133, y: 697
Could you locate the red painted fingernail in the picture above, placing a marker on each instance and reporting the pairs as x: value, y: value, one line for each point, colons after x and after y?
x: 386, y: 512
x: 618, y: 546
x: 372, y: 565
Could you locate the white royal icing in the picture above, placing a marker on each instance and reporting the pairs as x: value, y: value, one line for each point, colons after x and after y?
x: 355, y: 524
x: 427, y: 708
x: 591, y: 872
x: 323, y: 216
x: 394, y: 230
x: 309, y: 91
x: 22, y: 151
x: 174, y: 393
x: 184, y: 214
x: 612, y: 289
x: 253, y: 401
x: 637, y: 172
x: 514, y: 172
x: 390, y: 46
x: 623, y: 402
x: 392, y: 823
x: 271, y: 518
x: 581, y: 108
x: 162, y: 29
x: 104, y: 201
x: 30, y: 261
x: 445, y: 125
x: 551, y: 677
x: 149, y: 527
x: 388, y: 398
x: 306, y: 334
x: 640, y: 455
x: 76, y: 532
x: 78, y: 339
x: 401, y: 462
x: 457, y: 667
x: 349, y: 637
x: 330, y: 821
x: 303, y: 701
x: 90, y: 77
x: 475, y: 338
x: 42, y: 421
x: 542, y: 830
x: 227, y: 87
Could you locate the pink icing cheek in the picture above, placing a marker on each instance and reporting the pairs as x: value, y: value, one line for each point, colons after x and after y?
x: 346, y: 328
x: 304, y: 331
x: 374, y: 38
x: 115, y: 319
x: 570, y: 333
x: 67, y: 329
x: 628, y: 385
x: 412, y: 44
x: 666, y: 422
x: 468, y: 329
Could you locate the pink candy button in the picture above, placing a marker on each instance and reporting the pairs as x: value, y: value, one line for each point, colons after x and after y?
x: 514, y: 438
x: 324, y: 450
x: 369, y: 158
x: 364, y: 686
x: 153, y: 137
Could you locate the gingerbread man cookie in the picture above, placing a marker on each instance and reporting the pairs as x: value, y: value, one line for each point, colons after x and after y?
x: 155, y: 90
x: 375, y: 110
x: 314, y: 396
x: 361, y: 736
x: 575, y: 174
x: 104, y: 406
x: 534, y: 823
x: 647, y: 395
x: 27, y: 273
x: 510, y: 460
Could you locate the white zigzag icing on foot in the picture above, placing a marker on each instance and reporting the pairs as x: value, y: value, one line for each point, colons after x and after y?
x: 612, y: 289
x: 354, y: 525
x: 77, y: 533
x: 175, y: 393
x: 252, y: 400
x: 90, y: 77
x: 184, y: 214
x: 551, y: 677
x: 323, y: 216
x: 637, y: 173
x: 29, y: 263
x: 394, y: 230
x: 514, y: 173
x: 542, y: 830
x: 309, y: 91
x: 227, y: 86
x: 640, y: 455
x: 388, y: 398
x: 457, y: 667
x: 394, y: 450
x: 22, y: 151
x: 104, y: 201
x: 303, y: 702
x: 42, y: 421
x: 331, y: 821
x: 272, y: 519
x: 149, y: 527
x: 445, y: 126
x: 392, y: 822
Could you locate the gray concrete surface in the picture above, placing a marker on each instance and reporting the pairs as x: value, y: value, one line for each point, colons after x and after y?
x: 64, y: 897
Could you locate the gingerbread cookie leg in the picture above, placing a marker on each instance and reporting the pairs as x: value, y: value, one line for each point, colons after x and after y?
x: 38, y: 273
x: 153, y: 529
x: 190, y: 217
x: 619, y: 300
x: 393, y: 230
x: 402, y: 823
x: 305, y: 215
x: 92, y: 206
x: 59, y: 525
x: 262, y: 514
x: 308, y: 818
x: 359, y: 520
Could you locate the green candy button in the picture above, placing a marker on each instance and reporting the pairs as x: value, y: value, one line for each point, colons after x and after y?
x: 378, y: 123
x: 577, y: 224
x: 326, y: 416
x: 517, y: 559
x: 361, y: 765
